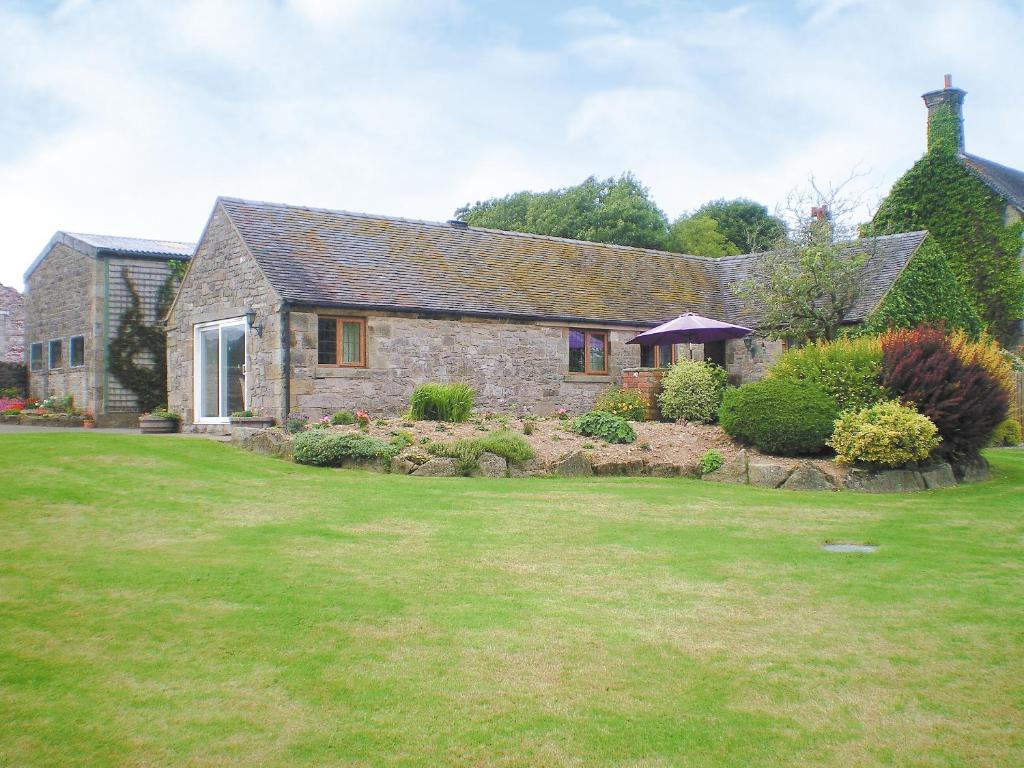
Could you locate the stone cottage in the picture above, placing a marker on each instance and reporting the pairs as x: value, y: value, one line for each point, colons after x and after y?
x: 77, y: 293
x: 287, y: 308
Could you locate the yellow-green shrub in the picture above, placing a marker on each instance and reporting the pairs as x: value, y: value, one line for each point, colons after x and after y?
x: 1007, y: 433
x: 887, y: 434
x: 987, y: 353
x: 846, y: 369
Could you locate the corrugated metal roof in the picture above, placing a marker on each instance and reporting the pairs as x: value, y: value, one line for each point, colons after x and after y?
x: 314, y: 256
x: 93, y: 245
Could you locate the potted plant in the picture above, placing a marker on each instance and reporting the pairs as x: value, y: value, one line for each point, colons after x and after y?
x: 252, y: 419
x: 88, y: 421
x: 159, y: 421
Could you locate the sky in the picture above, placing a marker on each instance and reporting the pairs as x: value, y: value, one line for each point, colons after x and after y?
x: 128, y: 117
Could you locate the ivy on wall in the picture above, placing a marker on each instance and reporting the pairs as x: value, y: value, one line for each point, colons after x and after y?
x: 967, y: 220
x: 926, y: 292
x: 138, y: 354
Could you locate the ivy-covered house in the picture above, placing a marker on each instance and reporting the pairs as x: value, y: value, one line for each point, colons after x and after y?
x: 974, y: 210
x: 287, y: 308
x: 93, y: 310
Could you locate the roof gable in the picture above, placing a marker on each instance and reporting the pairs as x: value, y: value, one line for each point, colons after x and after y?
x: 94, y: 246
x: 1006, y: 182
x: 318, y: 257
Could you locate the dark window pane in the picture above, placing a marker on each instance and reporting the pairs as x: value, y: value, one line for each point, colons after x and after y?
x: 351, y: 343
x: 646, y: 356
x: 577, y: 351
x: 36, y: 356
x: 76, y: 351
x: 327, y: 341
x: 598, y: 363
x: 665, y: 355
x: 56, y: 354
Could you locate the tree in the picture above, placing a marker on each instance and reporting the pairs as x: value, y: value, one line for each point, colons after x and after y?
x: 603, y: 211
x: 745, y: 223
x: 808, y: 286
x: 699, y: 236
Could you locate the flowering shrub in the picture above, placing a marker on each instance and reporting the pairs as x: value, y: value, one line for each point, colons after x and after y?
x: 692, y: 391
x: 781, y: 416
x: 58, y: 404
x: 562, y: 414
x: 886, y: 434
x: 630, y: 404
x: 295, y: 423
x: 961, y: 398
x: 847, y: 369
x: 607, y: 426
x: 362, y: 419
x: 11, y: 405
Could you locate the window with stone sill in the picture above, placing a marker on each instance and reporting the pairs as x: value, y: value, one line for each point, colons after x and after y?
x: 76, y: 352
x: 588, y: 352
x: 341, y: 342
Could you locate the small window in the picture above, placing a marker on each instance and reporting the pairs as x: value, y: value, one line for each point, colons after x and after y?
x: 56, y: 354
x: 660, y: 356
x: 35, y: 357
x: 341, y: 341
x: 76, y: 352
x: 588, y: 351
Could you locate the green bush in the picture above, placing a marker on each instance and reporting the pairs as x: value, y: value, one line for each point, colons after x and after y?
x: 343, y: 417
x: 630, y: 404
x: 779, y: 416
x: 692, y: 391
x: 442, y: 402
x: 607, y: 426
x: 321, y: 448
x: 886, y: 434
x: 1007, y: 433
x: 468, y: 449
x: 508, y: 445
x: 710, y: 461
x: 847, y: 369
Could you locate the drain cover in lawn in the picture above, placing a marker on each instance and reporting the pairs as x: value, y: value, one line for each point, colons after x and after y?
x: 849, y: 547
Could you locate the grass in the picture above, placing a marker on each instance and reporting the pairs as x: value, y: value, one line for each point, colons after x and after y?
x: 175, y: 602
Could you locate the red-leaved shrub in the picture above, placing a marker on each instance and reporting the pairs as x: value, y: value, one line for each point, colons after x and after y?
x: 961, y: 398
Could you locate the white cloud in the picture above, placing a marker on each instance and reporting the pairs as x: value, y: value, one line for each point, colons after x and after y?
x: 130, y: 117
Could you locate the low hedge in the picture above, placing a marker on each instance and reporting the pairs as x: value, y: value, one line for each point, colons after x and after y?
x: 779, y: 416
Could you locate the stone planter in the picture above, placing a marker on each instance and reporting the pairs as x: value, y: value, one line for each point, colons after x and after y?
x: 253, y: 422
x: 88, y: 424
x: 37, y: 418
x: 154, y: 425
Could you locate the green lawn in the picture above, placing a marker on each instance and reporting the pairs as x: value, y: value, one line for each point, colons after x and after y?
x: 171, y: 601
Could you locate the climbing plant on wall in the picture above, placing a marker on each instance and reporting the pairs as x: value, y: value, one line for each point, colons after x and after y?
x: 967, y: 220
x: 138, y: 354
x: 926, y: 292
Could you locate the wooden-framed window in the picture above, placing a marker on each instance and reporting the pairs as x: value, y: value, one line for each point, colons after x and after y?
x: 588, y: 351
x: 76, y: 351
x: 56, y: 354
x: 341, y: 341
x: 660, y: 356
x: 35, y: 356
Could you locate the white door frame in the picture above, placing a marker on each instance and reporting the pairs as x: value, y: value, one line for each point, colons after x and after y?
x: 197, y: 393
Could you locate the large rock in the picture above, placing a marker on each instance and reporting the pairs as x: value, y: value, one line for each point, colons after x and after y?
x: 527, y: 468
x: 631, y: 467
x: 807, y: 477
x: 492, y: 465
x: 573, y: 465
x: 270, y: 442
x: 438, y: 467
x: 938, y: 476
x: 664, y: 469
x: 884, y: 480
x: 733, y: 471
x: 971, y: 470
x: 767, y: 475
x: 402, y: 466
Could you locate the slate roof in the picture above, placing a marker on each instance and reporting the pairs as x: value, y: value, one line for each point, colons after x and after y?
x: 96, y: 245
x: 1008, y: 183
x: 318, y: 257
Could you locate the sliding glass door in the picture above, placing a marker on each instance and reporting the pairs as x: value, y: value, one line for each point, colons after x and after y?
x: 220, y: 387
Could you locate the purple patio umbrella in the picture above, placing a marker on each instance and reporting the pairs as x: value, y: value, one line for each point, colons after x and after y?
x: 690, y: 328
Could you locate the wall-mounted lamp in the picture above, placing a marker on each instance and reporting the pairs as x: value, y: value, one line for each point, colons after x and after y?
x: 250, y: 318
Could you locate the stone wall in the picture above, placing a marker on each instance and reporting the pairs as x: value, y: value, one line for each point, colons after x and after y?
x: 12, y: 326
x: 511, y: 365
x: 59, y: 304
x: 748, y: 359
x: 224, y: 282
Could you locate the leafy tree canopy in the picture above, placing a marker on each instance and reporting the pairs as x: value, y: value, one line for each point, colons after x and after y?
x: 699, y: 236
x: 600, y: 210
x: 745, y: 223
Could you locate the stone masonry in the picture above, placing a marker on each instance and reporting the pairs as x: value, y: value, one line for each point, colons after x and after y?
x: 12, y: 326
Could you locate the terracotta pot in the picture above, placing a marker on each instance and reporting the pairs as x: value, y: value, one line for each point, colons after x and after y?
x: 154, y: 425
x: 88, y: 424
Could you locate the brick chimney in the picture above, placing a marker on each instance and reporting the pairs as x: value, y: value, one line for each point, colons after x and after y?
x: 945, y: 118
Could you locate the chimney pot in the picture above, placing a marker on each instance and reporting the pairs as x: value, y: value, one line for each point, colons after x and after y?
x: 947, y: 81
